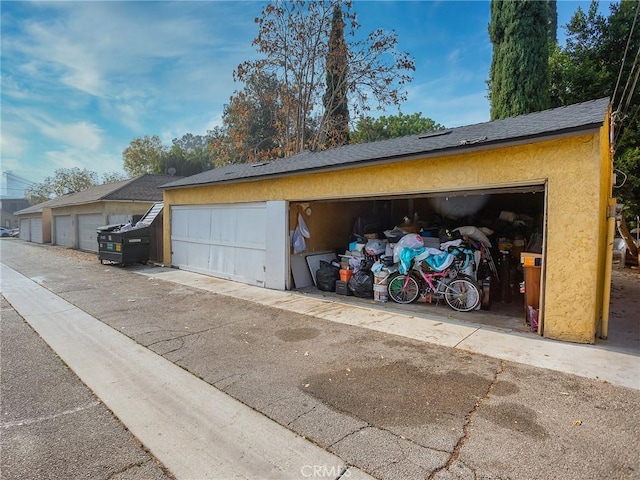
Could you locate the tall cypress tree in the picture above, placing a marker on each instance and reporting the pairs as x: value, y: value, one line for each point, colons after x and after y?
x: 336, y: 124
x: 519, y: 77
x: 552, y: 23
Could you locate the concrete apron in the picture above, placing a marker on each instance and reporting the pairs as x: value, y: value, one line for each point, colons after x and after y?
x: 583, y: 360
x: 194, y: 429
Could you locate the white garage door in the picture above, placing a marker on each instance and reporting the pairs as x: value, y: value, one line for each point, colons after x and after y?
x: 243, y: 242
x: 35, y: 227
x: 25, y: 232
x: 87, y: 236
x: 62, y: 230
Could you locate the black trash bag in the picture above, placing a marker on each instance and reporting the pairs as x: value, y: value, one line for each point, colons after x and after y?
x: 361, y: 284
x: 326, y: 276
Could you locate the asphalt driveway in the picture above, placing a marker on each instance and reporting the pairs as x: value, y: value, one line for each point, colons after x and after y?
x: 394, y: 407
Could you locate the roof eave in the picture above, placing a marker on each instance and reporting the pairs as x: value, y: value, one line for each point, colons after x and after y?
x: 447, y: 151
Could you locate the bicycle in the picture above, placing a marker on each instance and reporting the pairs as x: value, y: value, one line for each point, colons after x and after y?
x: 459, y: 291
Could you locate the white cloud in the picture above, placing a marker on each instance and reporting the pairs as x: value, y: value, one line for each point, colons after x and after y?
x: 81, y: 135
x: 98, y: 162
x: 11, y: 145
x: 12, y: 89
x: 97, y: 47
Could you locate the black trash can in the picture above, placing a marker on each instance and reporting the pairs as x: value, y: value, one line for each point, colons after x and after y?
x: 123, y: 248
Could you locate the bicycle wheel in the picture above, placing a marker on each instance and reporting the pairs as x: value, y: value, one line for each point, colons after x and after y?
x: 462, y: 294
x: 403, y: 289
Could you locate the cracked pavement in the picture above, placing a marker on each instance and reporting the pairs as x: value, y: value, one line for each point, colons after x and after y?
x: 52, y: 426
x: 394, y: 407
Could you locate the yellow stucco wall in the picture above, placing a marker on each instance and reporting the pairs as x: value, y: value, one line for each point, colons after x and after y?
x: 572, y: 168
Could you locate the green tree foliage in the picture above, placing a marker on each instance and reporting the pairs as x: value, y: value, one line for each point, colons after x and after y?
x: 519, y: 76
x: 369, y: 129
x: 293, y: 38
x: 552, y: 22
x: 38, y: 192
x: 188, y: 155
x: 144, y: 155
x: 578, y: 72
x: 64, y: 181
x: 112, y: 177
x: 336, y: 106
x: 591, y: 66
x: 250, y: 123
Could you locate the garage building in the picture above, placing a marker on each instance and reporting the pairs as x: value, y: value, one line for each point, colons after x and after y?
x: 72, y: 220
x: 545, y: 179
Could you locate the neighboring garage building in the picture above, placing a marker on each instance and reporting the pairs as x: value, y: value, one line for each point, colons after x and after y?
x: 74, y: 218
x: 35, y: 223
x: 553, y: 168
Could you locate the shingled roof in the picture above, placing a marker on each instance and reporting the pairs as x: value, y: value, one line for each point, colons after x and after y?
x: 140, y: 189
x: 574, y: 118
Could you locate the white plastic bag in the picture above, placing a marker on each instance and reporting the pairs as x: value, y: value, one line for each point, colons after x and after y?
x: 411, y: 241
x: 304, y: 230
x: 299, y: 245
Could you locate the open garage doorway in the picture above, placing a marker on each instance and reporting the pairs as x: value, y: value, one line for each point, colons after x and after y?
x: 513, y: 219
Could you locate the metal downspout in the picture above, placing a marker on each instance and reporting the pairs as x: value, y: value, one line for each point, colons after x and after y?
x: 608, y: 265
x: 611, y: 230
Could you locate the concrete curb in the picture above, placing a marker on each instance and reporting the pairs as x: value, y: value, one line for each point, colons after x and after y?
x: 588, y: 361
x: 195, y: 430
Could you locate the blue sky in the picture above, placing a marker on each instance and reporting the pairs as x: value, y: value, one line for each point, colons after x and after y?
x: 81, y: 79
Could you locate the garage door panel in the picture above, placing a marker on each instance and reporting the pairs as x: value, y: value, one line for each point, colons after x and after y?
x: 87, y: 235
x: 199, y: 225
x: 62, y: 227
x: 179, y: 254
x: 191, y: 256
x: 180, y: 224
x: 250, y: 264
x: 226, y: 241
x: 239, y: 226
x: 25, y: 229
x: 35, y: 228
x: 225, y: 223
x: 254, y: 236
x: 118, y: 219
x: 198, y: 254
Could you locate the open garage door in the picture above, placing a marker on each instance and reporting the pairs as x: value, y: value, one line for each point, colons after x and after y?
x: 514, y: 217
x: 35, y: 227
x: 25, y: 232
x: 62, y: 230
x: 87, y: 236
x: 242, y: 242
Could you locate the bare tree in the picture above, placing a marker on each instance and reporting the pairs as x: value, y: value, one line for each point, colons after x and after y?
x: 294, y: 39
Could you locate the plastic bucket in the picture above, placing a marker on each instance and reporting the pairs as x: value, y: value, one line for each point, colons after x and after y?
x: 345, y: 275
x: 380, y: 293
x: 380, y: 278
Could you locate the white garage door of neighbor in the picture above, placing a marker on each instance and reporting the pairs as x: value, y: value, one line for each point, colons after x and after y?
x: 62, y: 230
x: 87, y: 235
x: 35, y: 227
x: 242, y: 242
x: 25, y: 232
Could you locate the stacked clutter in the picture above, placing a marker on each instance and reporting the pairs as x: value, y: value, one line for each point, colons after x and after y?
x: 371, y: 259
x: 127, y: 227
x: 369, y: 262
